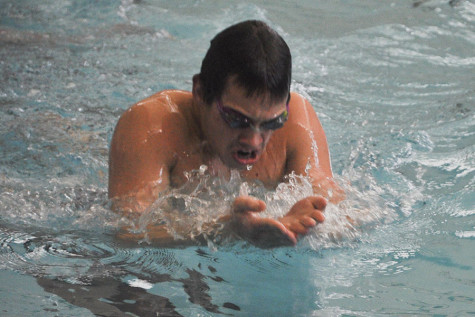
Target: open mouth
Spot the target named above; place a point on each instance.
(246, 157)
(246, 154)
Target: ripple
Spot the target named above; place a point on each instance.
(465, 234)
(393, 85)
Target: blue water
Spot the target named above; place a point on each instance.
(393, 83)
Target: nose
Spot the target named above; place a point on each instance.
(251, 138)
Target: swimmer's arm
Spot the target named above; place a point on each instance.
(306, 136)
(138, 161)
(139, 172)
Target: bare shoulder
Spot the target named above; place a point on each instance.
(153, 111)
(303, 120)
(144, 141)
(301, 111)
(306, 138)
(159, 116)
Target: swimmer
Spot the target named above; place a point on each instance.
(239, 114)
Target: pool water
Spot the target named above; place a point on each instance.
(393, 84)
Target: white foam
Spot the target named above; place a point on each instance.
(140, 283)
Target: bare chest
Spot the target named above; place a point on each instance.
(270, 169)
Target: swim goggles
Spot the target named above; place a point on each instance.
(237, 120)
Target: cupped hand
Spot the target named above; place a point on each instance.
(262, 232)
(305, 214)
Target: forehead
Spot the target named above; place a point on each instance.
(234, 94)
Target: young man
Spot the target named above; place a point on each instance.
(240, 113)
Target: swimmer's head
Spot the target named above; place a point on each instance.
(255, 56)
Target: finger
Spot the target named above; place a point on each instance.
(287, 237)
(318, 216)
(308, 222)
(298, 228)
(248, 203)
(318, 202)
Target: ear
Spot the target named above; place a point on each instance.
(197, 89)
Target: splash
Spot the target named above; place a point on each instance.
(188, 210)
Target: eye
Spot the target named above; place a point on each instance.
(276, 123)
(273, 124)
(237, 120)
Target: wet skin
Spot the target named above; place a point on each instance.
(173, 132)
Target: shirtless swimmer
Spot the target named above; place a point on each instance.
(239, 113)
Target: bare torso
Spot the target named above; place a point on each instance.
(170, 143)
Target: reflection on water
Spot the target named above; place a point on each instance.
(107, 281)
(109, 296)
(392, 84)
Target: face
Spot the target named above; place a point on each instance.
(239, 127)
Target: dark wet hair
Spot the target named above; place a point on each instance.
(255, 54)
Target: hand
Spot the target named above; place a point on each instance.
(262, 232)
(305, 214)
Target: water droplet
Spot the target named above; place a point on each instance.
(203, 169)
(308, 167)
(244, 189)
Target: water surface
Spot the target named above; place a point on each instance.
(393, 84)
